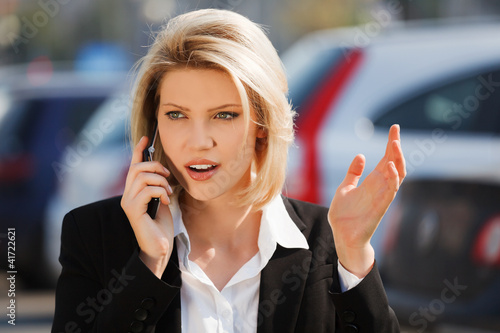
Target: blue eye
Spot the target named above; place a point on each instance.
(226, 115)
(174, 115)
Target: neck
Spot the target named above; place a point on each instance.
(219, 224)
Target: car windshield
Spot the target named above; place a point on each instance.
(307, 67)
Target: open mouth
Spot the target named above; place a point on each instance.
(202, 167)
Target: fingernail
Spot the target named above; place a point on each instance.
(170, 189)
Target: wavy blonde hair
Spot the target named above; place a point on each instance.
(226, 41)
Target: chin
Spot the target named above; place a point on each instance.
(204, 192)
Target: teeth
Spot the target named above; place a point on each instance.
(201, 166)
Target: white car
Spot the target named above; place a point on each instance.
(441, 83)
(435, 81)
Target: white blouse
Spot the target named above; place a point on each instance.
(234, 309)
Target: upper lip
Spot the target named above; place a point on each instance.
(202, 161)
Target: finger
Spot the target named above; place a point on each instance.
(392, 176)
(139, 148)
(393, 136)
(151, 167)
(145, 179)
(399, 160)
(388, 155)
(150, 192)
(354, 172)
(154, 167)
(394, 133)
(163, 211)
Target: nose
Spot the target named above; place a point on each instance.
(201, 136)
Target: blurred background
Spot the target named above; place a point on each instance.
(354, 67)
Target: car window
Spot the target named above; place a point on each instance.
(306, 69)
(466, 105)
(115, 113)
(16, 127)
(62, 118)
(80, 110)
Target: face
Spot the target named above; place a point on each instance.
(202, 131)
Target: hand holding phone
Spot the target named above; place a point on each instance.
(147, 155)
(146, 185)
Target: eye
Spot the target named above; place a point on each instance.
(174, 115)
(226, 115)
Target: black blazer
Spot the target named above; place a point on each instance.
(105, 287)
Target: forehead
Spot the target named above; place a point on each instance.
(197, 85)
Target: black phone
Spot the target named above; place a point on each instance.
(147, 155)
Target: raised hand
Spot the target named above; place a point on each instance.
(356, 211)
(147, 180)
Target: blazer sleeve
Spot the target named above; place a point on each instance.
(94, 296)
(364, 308)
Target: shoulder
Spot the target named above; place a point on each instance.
(311, 219)
(107, 208)
(305, 210)
(97, 219)
(97, 235)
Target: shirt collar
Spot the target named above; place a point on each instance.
(277, 224)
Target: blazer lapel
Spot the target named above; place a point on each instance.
(282, 285)
(171, 320)
(281, 288)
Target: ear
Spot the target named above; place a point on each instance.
(261, 133)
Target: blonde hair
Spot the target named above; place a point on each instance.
(226, 41)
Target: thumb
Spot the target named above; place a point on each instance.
(164, 212)
(354, 172)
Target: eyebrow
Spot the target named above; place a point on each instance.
(175, 106)
(224, 106)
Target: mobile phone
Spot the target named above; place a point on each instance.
(147, 155)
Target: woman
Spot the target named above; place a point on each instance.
(225, 252)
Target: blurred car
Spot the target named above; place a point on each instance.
(38, 119)
(441, 83)
(100, 174)
(442, 255)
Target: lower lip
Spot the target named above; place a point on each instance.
(201, 176)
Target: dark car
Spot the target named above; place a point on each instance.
(442, 255)
(37, 122)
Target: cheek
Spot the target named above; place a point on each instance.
(244, 151)
(167, 138)
(169, 149)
